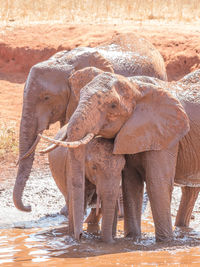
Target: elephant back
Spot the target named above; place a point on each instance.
(188, 163)
(132, 55)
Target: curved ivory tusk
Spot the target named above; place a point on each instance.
(33, 147)
(50, 148)
(73, 144)
(53, 146)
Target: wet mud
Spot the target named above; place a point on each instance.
(40, 238)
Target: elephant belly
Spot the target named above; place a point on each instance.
(188, 162)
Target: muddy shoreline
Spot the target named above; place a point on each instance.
(40, 237)
(44, 231)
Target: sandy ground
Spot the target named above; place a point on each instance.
(23, 46)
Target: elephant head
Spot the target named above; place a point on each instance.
(47, 93)
(49, 98)
(141, 116)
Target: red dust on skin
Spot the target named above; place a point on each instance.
(23, 46)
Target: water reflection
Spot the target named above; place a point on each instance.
(38, 239)
(52, 245)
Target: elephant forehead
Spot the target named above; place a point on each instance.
(49, 81)
(77, 53)
(103, 83)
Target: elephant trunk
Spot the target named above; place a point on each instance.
(22, 176)
(28, 135)
(76, 168)
(108, 214)
(108, 195)
(79, 125)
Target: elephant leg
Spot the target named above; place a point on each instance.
(70, 210)
(93, 221)
(188, 199)
(120, 204)
(71, 219)
(132, 187)
(114, 228)
(108, 191)
(64, 211)
(160, 171)
(108, 217)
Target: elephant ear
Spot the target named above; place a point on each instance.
(158, 122)
(92, 59)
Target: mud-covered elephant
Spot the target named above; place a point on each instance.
(103, 169)
(48, 97)
(156, 125)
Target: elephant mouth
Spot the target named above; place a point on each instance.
(34, 145)
(31, 149)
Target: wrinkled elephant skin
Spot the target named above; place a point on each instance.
(156, 125)
(48, 96)
(103, 169)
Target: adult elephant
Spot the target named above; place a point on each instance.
(156, 125)
(48, 97)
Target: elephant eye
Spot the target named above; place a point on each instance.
(113, 105)
(94, 167)
(46, 98)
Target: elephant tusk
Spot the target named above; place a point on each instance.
(73, 144)
(53, 146)
(50, 148)
(27, 154)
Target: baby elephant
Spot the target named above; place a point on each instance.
(103, 169)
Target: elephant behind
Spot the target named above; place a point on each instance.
(48, 97)
(155, 124)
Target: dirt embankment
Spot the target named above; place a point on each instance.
(20, 48)
(23, 46)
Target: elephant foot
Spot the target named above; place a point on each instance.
(164, 239)
(93, 228)
(108, 240)
(93, 222)
(64, 211)
(93, 218)
(133, 236)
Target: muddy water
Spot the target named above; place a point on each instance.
(39, 238)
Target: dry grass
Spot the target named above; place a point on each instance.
(98, 10)
(8, 139)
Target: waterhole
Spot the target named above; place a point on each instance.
(40, 238)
